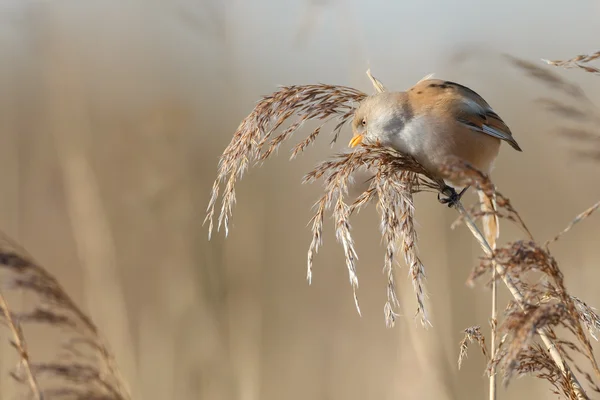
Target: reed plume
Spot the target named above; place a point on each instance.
(398, 177)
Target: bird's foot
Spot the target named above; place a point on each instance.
(452, 198)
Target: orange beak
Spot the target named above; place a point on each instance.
(356, 140)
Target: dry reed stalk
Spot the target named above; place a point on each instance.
(84, 368)
(491, 229)
(20, 345)
(493, 327)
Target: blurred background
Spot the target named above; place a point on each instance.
(114, 114)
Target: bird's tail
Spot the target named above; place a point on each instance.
(491, 225)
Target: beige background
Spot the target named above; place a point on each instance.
(114, 113)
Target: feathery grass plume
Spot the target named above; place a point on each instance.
(397, 177)
(586, 314)
(519, 354)
(519, 258)
(521, 326)
(389, 228)
(530, 256)
(542, 307)
(83, 367)
(579, 61)
(536, 361)
(250, 143)
(472, 335)
(527, 317)
(409, 242)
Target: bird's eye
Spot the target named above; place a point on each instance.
(364, 122)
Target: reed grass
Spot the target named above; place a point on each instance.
(528, 342)
(83, 366)
(539, 333)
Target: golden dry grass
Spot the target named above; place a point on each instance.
(234, 318)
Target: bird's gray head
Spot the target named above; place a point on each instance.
(380, 118)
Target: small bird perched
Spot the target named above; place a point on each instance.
(433, 121)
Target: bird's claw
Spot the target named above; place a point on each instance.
(452, 198)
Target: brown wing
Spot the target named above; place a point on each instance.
(472, 110)
(475, 112)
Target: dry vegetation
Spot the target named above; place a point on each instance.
(529, 343)
(83, 366)
(541, 332)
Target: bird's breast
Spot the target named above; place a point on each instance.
(433, 141)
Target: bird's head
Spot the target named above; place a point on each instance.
(380, 119)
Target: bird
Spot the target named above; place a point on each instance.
(433, 121)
